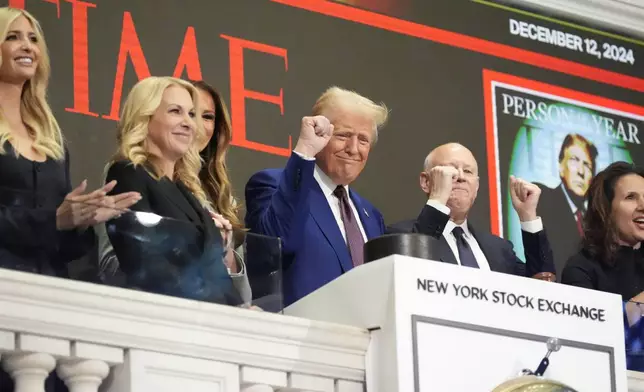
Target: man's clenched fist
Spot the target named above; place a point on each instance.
(440, 180)
(525, 197)
(315, 133)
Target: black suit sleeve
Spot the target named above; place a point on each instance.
(579, 272)
(430, 222)
(538, 253)
(130, 179)
(124, 231)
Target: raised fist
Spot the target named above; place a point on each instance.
(315, 133)
(439, 182)
(525, 197)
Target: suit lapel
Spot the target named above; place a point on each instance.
(445, 252)
(368, 222)
(196, 210)
(181, 198)
(494, 260)
(323, 216)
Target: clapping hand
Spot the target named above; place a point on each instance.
(82, 210)
(226, 229)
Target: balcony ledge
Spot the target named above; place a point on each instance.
(127, 319)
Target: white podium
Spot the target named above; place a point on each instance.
(439, 327)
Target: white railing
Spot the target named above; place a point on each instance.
(124, 341)
(128, 341)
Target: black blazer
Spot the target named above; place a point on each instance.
(30, 193)
(181, 256)
(561, 224)
(498, 251)
(625, 277)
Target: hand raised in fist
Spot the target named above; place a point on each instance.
(315, 133)
(439, 182)
(525, 197)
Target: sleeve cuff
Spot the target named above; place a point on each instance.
(533, 226)
(439, 206)
(241, 266)
(304, 156)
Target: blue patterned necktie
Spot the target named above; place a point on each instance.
(355, 241)
(465, 253)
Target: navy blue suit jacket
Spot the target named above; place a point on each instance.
(288, 203)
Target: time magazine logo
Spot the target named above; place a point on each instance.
(187, 61)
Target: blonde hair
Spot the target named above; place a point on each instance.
(141, 103)
(34, 109)
(339, 98)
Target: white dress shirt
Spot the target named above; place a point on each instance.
(327, 186)
(533, 226)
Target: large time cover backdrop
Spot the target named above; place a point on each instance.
(443, 67)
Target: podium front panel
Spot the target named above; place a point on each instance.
(462, 329)
(440, 327)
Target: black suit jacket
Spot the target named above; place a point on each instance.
(625, 277)
(180, 256)
(30, 194)
(498, 252)
(558, 218)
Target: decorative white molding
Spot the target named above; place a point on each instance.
(125, 319)
(257, 388)
(625, 16)
(83, 375)
(348, 386)
(250, 376)
(29, 370)
(110, 355)
(7, 341)
(309, 383)
(170, 338)
(171, 373)
(635, 381)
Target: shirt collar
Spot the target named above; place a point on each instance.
(451, 225)
(326, 184)
(572, 205)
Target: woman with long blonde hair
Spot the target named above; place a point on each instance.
(44, 224)
(157, 156)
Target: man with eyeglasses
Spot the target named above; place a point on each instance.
(566, 203)
(451, 181)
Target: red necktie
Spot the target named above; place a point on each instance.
(355, 241)
(580, 228)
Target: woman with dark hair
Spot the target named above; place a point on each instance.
(215, 181)
(611, 258)
(214, 173)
